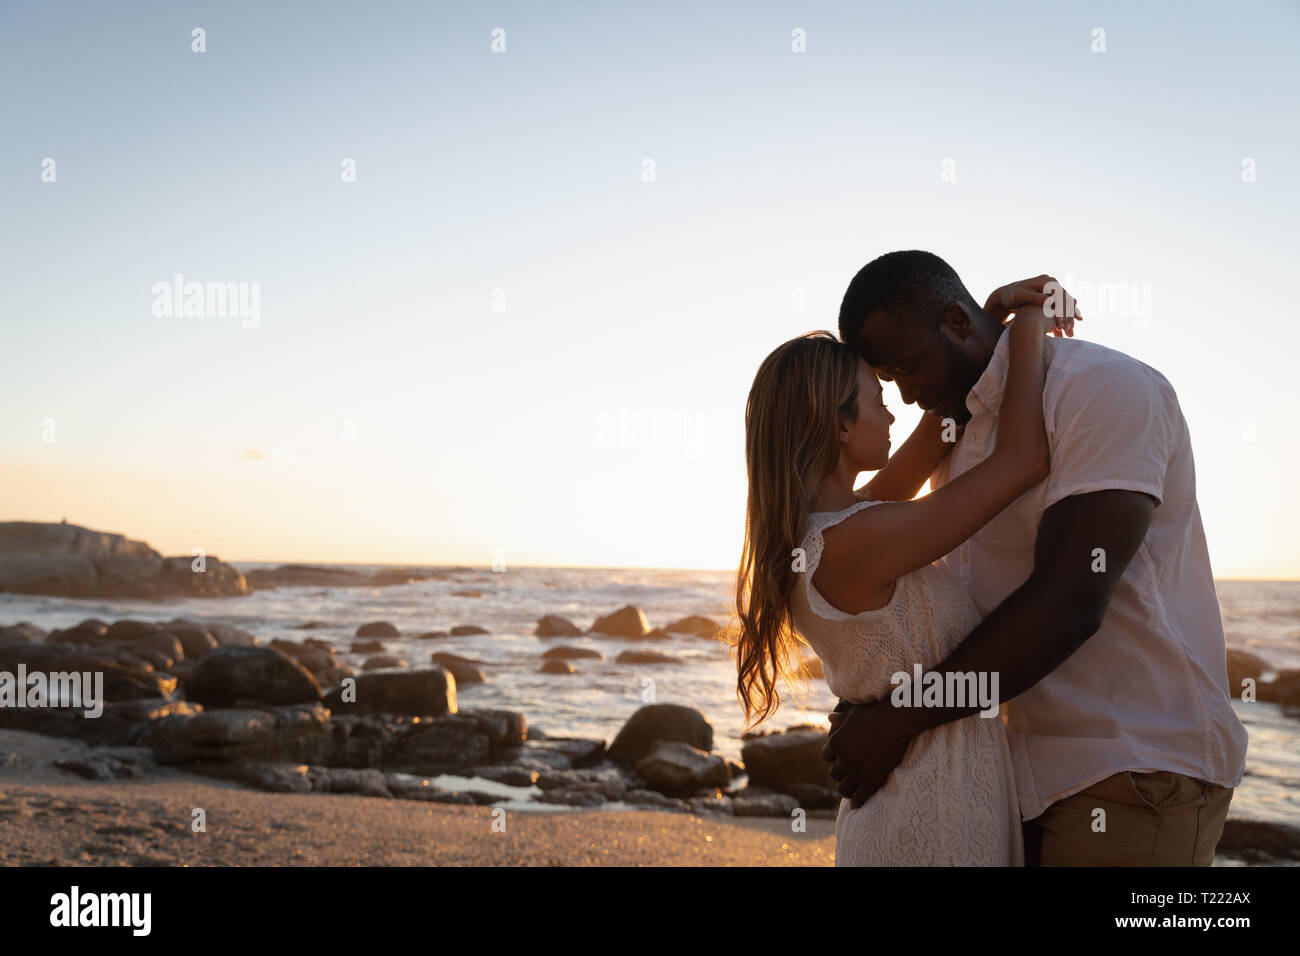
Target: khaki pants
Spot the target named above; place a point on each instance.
(1151, 819)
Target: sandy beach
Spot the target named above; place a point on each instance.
(50, 817)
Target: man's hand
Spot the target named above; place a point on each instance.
(868, 741)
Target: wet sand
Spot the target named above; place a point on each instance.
(51, 817)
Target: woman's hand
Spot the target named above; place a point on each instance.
(1042, 291)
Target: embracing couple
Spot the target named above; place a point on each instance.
(1058, 561)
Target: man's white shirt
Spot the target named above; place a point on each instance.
(1149, 691)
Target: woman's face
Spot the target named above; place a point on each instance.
(865, 443)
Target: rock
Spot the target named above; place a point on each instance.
(675, 768)
(746, 804)
(814, 797)
(382, 662)
(552, 625)
(625, 622)
(455, 742)
(1284, 689)
(107, 765)
(87, 632)
(333, 676)
(431, 635)
(256, 673)
(462, 668)
(464, 630)
(42, 539)
(126, 630)
(607, 781)
(695, 624)
(285, 777)
(648, 798)
(655, 722)
(70, 561)
(557, 667)
(420, 691)
(1259, 842)
(366, 782)
(315, 659)
(297, 734)
(782, 760)
(573, 798)
(227, 636)
(644, 657)
(378, 629)
(124, 679)
(22, 633)
(308, 575)
(572, 653)
(310, 626)
(719, 804)
(195, 640)
(368, 647)
(1241, 665)
(511, 776)
(305, 575)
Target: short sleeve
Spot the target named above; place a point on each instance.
(1110, 425)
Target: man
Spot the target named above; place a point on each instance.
(1100, 615)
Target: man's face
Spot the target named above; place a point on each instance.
(931, 367)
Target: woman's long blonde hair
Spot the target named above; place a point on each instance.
(801, 394)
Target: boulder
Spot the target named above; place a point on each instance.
(431, 635)
(627, 621)
(195, 639)
(676, 769)
(1284, 689)
(420, 691)
(782, 760)
(465, 630)
(557, 667)
(264, 674)
(756, 804)
(644, 657)
(655, 722)
(378, 629)
(124, 678)
(299, 734)
(454, 742)
(368, 647)
(572, 653)
(22, 633)
(695, 624)
(552, 625)
(382, 662)
(227, 636)
(462, 668)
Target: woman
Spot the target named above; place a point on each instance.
(857, 579)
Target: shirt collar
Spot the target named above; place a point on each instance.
(987, 393)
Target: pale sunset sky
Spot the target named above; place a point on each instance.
(530, 324)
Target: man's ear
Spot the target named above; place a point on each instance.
(957, 320)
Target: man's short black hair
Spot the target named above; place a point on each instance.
(912, 286)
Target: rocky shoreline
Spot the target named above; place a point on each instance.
(290, 717)
(66, 560)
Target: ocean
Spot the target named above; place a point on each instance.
(1260, 616)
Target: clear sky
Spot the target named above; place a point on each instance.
(503, 339)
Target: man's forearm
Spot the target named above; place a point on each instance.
(1024, 639)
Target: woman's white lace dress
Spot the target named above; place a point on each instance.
(952, 801)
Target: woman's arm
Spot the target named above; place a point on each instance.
(871, 549)
(911, 466)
